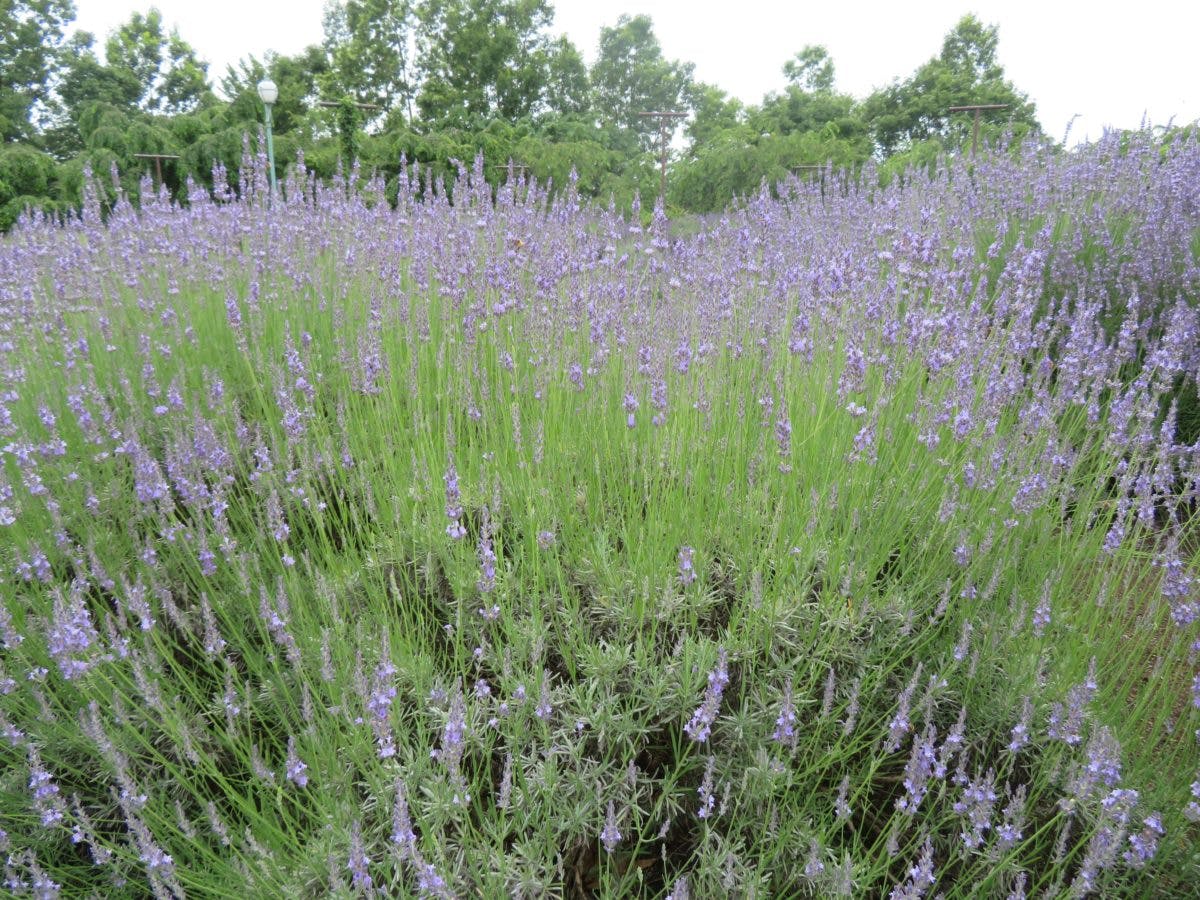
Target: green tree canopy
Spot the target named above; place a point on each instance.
(86, 80)
(369, 45)
(482, 59)
(714, 112)
(297, 77)
(31, 33)
(170, 77)
(568, 91)
(631, 76)
(811, 70)
(965, 72)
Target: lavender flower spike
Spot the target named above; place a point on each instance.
(610, 836)
(700, 725)
(687, 574)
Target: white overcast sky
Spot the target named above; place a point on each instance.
(1109, 63)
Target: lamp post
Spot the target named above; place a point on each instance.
(268, 93)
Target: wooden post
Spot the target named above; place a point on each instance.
(514, 169)
(333, 104)
(362, 107)
(158, 158)
(664, 134)
(798, 170)
(977, 109)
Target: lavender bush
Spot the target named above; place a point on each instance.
(504, 547)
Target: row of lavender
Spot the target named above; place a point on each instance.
(495, 545)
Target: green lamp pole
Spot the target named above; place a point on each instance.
(268, 93)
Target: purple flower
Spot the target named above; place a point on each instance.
(687, 574)
(233, 313)
(544, 709)
(71, 638)
(708, 798)
(46, 799)
(700, 725)
(454, 744)
(1012, 826)
(964, 642)
(1102, 768)
(487, 566)
(610, 836)
(920, 769)
(921, 877)
(1105, 844)
(402, 829)
(1144, 844)
(379, 704)
(296, 769)
(841, 806)
(631, 407)
(683, 358)
(43, 886)
(1191, 812)
(430, 883)
(952, 745)
(785, 724)
(814, 866)
(453, 499)
(1041, 615)
(976, 804)
(783, 433)
(900, 725)
(658, 399)
(358, 863)
(1020, 731)
(1066, 724)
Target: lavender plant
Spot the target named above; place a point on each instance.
(494, 545)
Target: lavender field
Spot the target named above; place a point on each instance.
(842, 545)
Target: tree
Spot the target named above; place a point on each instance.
(811, 70)
(297, 77)
(483, 59)
(809, 103)
(184, 83)
(568, 91)
(86, 80)
(965, 72)
(31, 33)
(369, 43)
(714, 112)
(632, 76)
(170, 77)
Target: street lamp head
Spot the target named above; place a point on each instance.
(267, 91)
